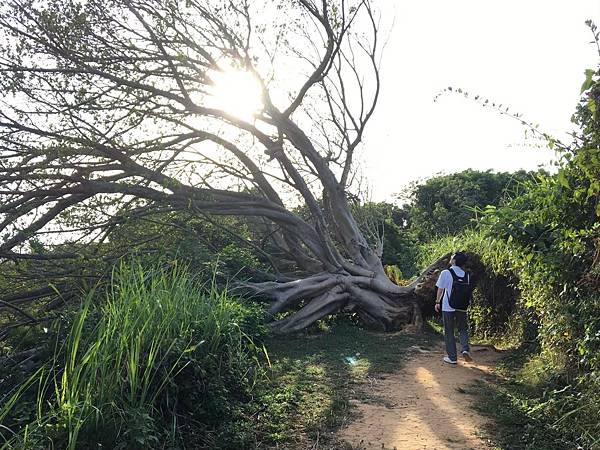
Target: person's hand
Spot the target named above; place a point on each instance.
(437, 307)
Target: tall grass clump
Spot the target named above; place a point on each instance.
(157, 360)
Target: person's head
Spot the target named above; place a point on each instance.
(458, 259)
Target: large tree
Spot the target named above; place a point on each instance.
(109, 108)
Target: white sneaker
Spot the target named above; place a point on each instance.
(467, 357)
(448, 360)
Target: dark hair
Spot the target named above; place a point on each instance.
(459, 258)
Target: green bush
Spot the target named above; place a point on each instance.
(447, 204)
(159, 358)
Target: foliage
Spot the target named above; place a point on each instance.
(386, 225)
(555, 227)
(394, 273)
(203, 243)
(447, 204)
(160, 353)
(520, 409)
(167, 363)
(495, 310)
(547, 240)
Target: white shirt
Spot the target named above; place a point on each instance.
(445, 282)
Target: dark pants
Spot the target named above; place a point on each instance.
(458, 318)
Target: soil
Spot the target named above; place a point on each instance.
(426, 405)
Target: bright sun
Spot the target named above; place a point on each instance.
(236, 91)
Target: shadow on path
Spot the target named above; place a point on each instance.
(426, 405)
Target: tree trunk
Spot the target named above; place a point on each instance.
(380, 304)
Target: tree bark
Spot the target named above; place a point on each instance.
(380, 304)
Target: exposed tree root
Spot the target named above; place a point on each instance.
(380, 304)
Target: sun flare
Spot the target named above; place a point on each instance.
(237, 92)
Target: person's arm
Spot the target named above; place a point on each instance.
(441, 284)
(438, 299)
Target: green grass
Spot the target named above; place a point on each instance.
(529, 406)
(314, 377)
(115, 379)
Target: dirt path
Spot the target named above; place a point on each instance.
(427, 405)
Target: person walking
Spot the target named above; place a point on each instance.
(454, 307)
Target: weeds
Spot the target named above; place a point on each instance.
(114, 382)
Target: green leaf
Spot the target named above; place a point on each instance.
(592, 106)
(589, 73)
(562, 179)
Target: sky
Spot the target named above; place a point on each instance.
(529, 55)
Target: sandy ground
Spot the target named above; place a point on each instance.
(427, 405)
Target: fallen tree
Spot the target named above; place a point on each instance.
(110, 110)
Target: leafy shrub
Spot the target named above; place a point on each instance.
(159, 353)
(447, 204)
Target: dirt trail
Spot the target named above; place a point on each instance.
(426, 405)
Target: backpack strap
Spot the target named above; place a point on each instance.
(455, 277)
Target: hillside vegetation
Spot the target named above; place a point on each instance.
(544, 243)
